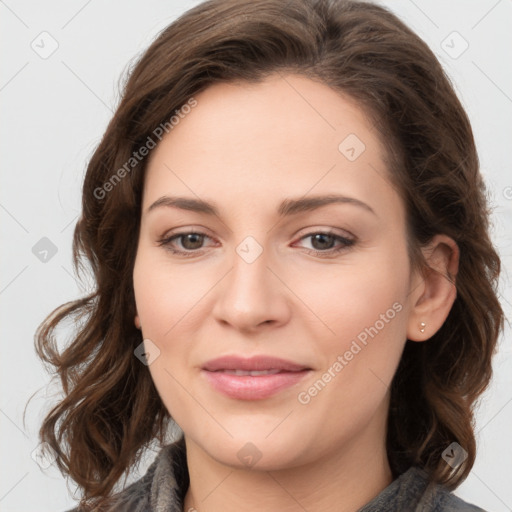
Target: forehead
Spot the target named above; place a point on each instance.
(281, 110)
(285, 136)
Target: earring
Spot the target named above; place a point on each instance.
(422, 326)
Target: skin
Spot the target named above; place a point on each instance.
(246, 148)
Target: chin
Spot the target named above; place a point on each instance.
(257, 448)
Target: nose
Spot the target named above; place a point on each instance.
(252, 296)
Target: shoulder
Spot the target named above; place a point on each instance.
(412, 491)
(442, 500)
(135, 497)
(437, 498)
(161, 488)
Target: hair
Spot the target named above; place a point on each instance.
(110, 409)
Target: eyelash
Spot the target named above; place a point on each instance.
(347, 242)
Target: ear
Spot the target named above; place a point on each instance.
(433, 293)
(137, 321)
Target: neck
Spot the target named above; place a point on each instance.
(341, 481)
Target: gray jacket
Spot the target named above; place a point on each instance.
(165, 483)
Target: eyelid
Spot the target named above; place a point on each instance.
(169, 236)
(199, 230)
(313, 230)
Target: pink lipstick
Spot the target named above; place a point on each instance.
(253, 378)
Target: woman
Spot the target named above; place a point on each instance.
(289, 237)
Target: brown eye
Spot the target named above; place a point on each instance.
(322, 241)
(185, 244)
(191, 241)
(325, 244)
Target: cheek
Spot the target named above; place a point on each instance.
(171, 384)
(165, 299)
(164, 296)
(162, 302)
(360, 360)
(362, 308)
(350, 298)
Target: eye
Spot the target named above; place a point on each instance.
(189, 241)
(324, 243)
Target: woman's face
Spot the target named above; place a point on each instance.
(273, 271)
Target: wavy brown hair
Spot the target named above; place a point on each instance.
(110, 410)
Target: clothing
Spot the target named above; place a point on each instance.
(163, 488)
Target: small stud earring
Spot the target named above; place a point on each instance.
(422, 326)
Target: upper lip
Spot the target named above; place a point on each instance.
(255, 363)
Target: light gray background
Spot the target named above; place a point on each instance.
(54, 111)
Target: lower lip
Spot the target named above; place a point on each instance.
(248, 387)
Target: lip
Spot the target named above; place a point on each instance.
(255, 363)
(220, 375)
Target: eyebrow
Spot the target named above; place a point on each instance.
(287, 207)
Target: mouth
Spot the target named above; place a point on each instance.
(252, 373)
(253, 364)
(255, 378)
